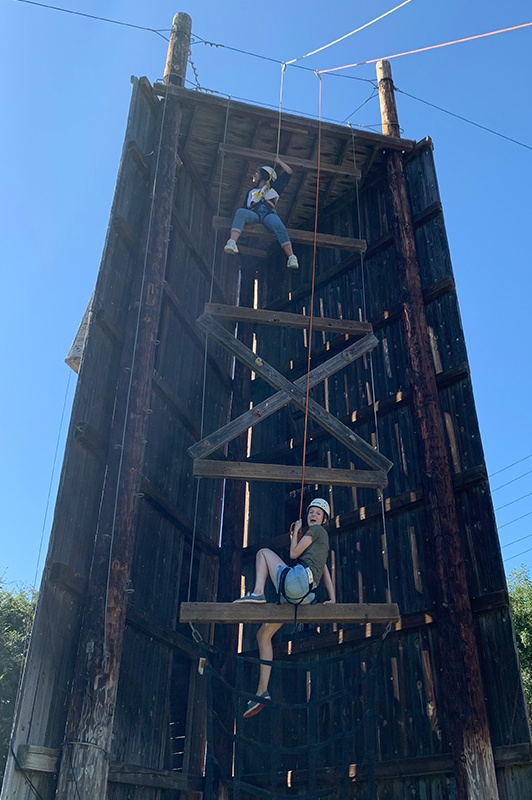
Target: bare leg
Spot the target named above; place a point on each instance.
(266, 563)
(286, 247)
(264, 639)
(235, 236)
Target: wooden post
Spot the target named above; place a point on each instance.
(178, 49)
(461, 683)
(389, 118)
(84, 763)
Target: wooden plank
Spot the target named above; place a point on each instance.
(187, 237)
(281, 473)
(289, 122)
(38, 759)
(277, 401)
(312, 166)
(272, 612)
(46, 759)
(284, 319)
(158, 499)
(132, 775)
(299, 236)
(331, 424)
(161, 633)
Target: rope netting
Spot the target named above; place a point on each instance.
(318, 728)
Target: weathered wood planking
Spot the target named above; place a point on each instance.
(271, 612)
(370, 563)
(280, 473)
(280, 319)
(351, 440)
(268, 407)
(298, 236)
(303, 163)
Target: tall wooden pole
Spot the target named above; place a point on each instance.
(84, 763)
(461, 683)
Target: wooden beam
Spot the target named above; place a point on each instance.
(319, 414)
(299, 236)
(272, 404)
(34, 758)
(177, 517)
(291, 122)
(287, 320)
(133, 775)
(303, 163)
(281, 473)
(182, 229)
(37, 759)
(272, 612)
(460, 680)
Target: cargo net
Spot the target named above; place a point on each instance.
(315, 738)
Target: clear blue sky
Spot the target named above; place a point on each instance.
(65, 95)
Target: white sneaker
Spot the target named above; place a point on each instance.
(292, 262)
(231, 247)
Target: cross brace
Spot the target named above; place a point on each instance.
(228, 432)
(297, 396)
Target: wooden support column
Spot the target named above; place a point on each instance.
(84, 765)
(461, 691)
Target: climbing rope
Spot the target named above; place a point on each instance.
(312, 295)
(205, 359)
(371, 371)
(121, 445)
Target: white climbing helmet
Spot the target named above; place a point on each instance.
(271, 172)
(319, 502)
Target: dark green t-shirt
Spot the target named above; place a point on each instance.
(316, 553)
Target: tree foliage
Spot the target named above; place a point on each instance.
(520, 590)
(17, 608)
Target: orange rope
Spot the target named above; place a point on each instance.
(311, 314)
(424, 49)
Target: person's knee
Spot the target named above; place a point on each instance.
(264, 551)
(264, 635)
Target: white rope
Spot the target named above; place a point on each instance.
(347, 35)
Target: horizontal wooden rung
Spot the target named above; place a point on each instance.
(282, 473)
(283, 319)
(272, 612)
(339, 171)
(299, 237)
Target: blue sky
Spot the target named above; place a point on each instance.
(65, 95)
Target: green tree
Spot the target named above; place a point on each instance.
(520, 590)
(17, 608)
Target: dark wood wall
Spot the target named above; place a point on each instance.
(159, 720)
(370, 557)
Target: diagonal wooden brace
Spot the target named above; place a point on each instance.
(319, 414)
(261, 411)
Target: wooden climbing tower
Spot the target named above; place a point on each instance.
(184, 456)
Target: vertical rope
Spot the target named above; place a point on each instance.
(205, 354)
(131, 373)
(312, 294)
(380, 495)
(209, 755)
